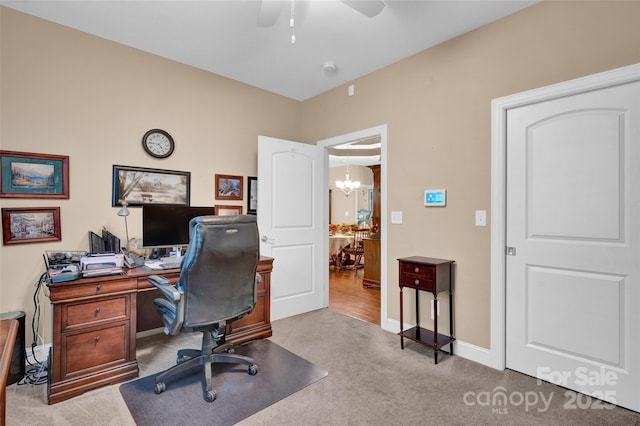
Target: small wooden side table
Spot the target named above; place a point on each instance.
(434, 276)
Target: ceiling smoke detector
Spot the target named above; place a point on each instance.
(329, 67)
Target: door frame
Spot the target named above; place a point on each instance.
(372, 132)
(496, 356)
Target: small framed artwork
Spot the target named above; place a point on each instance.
(228, 187)
(228, 210)
(30, 225)
(28, 175)
(252, 197)
(141, 185)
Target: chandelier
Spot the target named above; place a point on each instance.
(347, 185)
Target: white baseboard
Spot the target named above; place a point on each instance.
(460, 348)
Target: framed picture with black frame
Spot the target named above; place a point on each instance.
(141, 185)
(252, 195)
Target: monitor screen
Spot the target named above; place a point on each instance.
(166, 225)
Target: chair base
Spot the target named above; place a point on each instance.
(205, 357)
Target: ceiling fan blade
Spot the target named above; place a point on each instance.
(368, 8)
(269, 12)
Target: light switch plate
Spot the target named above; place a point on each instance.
(481, 218)
(396, 218)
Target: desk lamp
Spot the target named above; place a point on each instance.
(124, 212)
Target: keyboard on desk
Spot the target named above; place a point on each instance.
(170, 265)
(102, 271)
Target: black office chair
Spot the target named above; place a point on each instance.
(217, 285)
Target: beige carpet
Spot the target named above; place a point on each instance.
(371, 381)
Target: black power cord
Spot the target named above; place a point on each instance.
(37, 373)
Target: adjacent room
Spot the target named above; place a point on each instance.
(444, 194)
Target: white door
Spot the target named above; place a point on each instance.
(573, 219)
(290, 217)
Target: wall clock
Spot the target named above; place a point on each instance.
(158, 143)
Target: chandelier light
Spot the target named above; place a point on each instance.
(347, 185)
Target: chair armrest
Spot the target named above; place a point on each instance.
(167, 289)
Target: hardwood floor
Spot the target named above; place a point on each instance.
(347, 296)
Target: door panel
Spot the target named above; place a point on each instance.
(573, 215)
(290, 214)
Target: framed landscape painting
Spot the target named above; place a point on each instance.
(228, 187)
(140, 185)
(29, 175)
(228, 210)
(252, 197)
(30, 225)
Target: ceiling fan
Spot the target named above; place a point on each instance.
(270, 9)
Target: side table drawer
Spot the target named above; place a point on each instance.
(424, 271)
(94, 349)
(417, 276)
(94, 312)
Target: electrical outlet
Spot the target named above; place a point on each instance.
(481, 218)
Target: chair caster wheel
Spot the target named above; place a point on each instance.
(160, 387)
(253, 370)
(180, 359)
(210, 396)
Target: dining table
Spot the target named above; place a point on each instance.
(337, 242)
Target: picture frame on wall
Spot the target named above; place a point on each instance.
(142, 185)
(228, 210)
(228, 187)
(30, 175)
(252, 195)
(30, 225)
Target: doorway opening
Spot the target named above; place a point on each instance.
(345, 291)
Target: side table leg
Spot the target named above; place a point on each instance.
(401, 322)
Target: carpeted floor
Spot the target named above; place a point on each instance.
(371, 381)
(239, 395)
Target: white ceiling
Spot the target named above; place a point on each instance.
(222, 36)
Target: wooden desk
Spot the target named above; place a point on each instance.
(8, 334)
(95, 321)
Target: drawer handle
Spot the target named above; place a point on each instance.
(417, 282)
(417, 270)
(98, 287)
(97, 311)
(97, 339)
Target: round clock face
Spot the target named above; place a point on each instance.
(158, 143)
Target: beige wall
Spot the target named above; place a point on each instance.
(342, 207)
(65, 92)
(69, 93)
(437, 105)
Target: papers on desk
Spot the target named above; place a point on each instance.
(153, 264)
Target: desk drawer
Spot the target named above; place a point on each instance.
(95, 349)
(94, 312)
(94, 288)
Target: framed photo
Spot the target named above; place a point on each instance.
(228, 187)
(140, 185)
(30, 225)
(228, 210)
(28, 175)
(252, 197)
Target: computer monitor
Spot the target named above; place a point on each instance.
(165, 225)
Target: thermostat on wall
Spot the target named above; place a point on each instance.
(435, 197)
